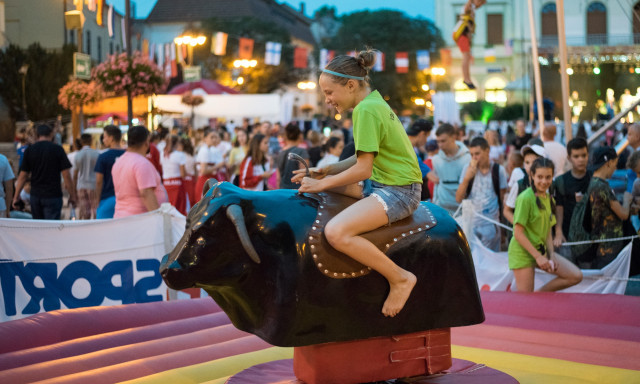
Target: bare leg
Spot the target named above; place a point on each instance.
(342, 233)
(568, 275)
(524, 279)
(466, 67)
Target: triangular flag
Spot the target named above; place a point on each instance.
(445, 57)
(273, 53)
(300, 57)
(219, 44)
(379, 64)
(423, 59)
(490, 55)
(99, 15)
(402, 62)
(245, 48)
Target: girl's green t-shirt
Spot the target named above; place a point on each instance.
(536, 222)
(377, 129)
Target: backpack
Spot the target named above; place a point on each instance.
(495, 179)
(580, 227)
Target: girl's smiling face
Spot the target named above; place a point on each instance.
(542, 179)
(339, 96)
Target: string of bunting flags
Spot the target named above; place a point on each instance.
(168, 55)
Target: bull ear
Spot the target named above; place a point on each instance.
(234, 213)
(207, 186)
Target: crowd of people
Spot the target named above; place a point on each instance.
(499, 174)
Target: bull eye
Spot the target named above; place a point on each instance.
(200, 241)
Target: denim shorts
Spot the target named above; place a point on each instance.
(399, 201)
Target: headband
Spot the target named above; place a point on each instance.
(342, 75)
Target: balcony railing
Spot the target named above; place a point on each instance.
(593, 39)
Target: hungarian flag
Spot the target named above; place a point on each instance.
(219, 44)
(325, 57)
(300, 58)
(245, 48)
(273, 53)
(402, 62)
(379, 64)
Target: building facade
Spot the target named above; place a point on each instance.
(43, 21)
(601, 33)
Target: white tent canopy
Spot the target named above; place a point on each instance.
(271, 107)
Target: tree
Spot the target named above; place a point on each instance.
(262, 78)
(390, 32)
(48, 72)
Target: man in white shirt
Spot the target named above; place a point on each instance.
(555, 151)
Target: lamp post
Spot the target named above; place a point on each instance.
(190, 41)
(23, 71)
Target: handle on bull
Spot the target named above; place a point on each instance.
(301, 160)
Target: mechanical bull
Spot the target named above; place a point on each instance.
(263, 258)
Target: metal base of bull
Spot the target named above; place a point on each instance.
(374, 359)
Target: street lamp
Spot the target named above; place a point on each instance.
(244, 63)
(304, 85)
(190, 41)
(23, 71)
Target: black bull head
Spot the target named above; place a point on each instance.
(249, 251)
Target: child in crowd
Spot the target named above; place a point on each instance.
(256, 169)
(333, 149)
(174, 161)
(519, 179)
(385, 156)
(532, 244)
(607, 214)
(570, 188)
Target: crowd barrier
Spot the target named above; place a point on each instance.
(493, 273)
(49, 265)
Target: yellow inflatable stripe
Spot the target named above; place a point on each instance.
(216, 370)
(535, 370)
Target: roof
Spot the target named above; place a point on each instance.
(297, 24)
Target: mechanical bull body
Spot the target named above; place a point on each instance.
(251, 252)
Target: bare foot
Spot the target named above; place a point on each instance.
(398, 294)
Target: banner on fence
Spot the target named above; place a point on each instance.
(50, 265)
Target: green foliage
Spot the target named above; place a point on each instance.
(262, 78)
(390, 32)
(48, 72)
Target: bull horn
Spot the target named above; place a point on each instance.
(207, 185)
(234, 213)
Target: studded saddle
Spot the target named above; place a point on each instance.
(337, 265)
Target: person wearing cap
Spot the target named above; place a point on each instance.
(418, 134)
(519, 180)
(607, 214)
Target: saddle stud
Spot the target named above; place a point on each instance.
(319, 265)
(314, 228)
(315, 257)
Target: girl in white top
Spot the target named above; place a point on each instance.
(173, 172)
(190, 173)
(333, 150)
